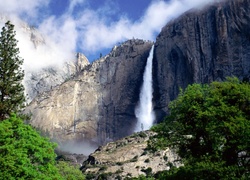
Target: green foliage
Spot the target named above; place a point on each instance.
(142, 134)
(11, 74)
(24, 154)
(135, 158)
(118, 177)
(104, 176)
(209, 125)
(90, 176)
(119, 163)
(141, 177)
(147, 171)
(119, 171)
(69, 172)
(144, 152)
(103, 168)
(204, 169)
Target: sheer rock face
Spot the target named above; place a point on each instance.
(201, 46)
(36, 82)
(97, 104)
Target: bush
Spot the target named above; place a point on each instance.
(142, 134)
(147, 171)
(119, 163)
(103, 168)
(69, 171)
(134, 159)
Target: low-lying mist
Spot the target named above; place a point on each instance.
(78, 147)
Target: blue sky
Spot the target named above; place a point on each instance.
(89, 26)
(113, 11)
(133, 9)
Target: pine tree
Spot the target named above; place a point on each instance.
(11, 74)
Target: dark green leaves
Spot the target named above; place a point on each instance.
(210, 124)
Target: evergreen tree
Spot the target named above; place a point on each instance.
(11, 74)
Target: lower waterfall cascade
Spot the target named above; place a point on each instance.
(144, 110)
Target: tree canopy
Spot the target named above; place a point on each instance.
(24, 154)
(11, 74)
(209, 126)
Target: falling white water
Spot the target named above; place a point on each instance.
(144, 110)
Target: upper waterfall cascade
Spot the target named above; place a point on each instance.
(144, 110)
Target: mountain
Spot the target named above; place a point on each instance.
(46, 78)
(98, 104)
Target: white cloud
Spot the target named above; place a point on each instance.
(57, 42)
(52, 53)
(96, 33)
(59, 34)
(91, 29)
(22, 7)
(61, 31)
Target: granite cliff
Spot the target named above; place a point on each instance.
(98, 103)
(201, 46)
(45, 79)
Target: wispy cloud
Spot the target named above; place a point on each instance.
(24, 8)
(96, 33)
(88, 30)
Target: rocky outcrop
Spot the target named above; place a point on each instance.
(44, 79)
(201, 46)
(129, 157)
(98, 103)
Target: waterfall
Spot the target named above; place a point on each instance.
(144, 110)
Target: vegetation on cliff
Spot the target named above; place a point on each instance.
(209, 125)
